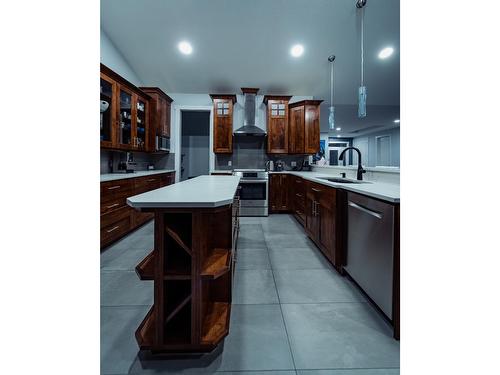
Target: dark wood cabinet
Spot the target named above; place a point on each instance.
(223, 123)
(279, 192)
(160, 109)
(304, 127)
(125, 123)
(277, 123)
(323, 221)
(296, 130)
(297, 199)
(117, 218)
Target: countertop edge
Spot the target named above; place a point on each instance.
(124, 176)
(347, 187)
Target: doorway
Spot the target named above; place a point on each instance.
(195, 144)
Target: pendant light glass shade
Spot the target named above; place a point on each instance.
(362, 101)
(331, 118)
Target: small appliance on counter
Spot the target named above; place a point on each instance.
(128, 165)
(280, 166)
(306, 166)
(270, 166)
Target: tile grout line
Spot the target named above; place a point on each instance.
(281, 310)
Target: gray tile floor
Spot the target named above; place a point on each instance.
(292, 312)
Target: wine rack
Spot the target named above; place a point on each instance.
(192, 266)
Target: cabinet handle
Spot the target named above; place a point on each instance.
(316, 190)
(298, 195)
(314, 208)
(113, 229)
(317, 208)
(378, 215)
(152, 179)
(113, 205)
(114, 187)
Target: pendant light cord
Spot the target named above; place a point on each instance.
(331, 86)
(362, 46)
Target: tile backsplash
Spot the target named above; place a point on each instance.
(110, 159)
(250, 152)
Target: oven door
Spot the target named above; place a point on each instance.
(253, 193)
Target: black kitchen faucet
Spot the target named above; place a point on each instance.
(360, 167)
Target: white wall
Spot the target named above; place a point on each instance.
(371, 159)
(113, 59)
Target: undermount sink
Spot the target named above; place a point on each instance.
(343, 180)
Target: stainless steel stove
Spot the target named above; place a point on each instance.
(253, 191)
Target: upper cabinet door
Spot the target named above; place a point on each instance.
(223, 124)
(142, 129)
(311, 126)
(277, 126)
(107, 115)
(126, 121)
(296, 131)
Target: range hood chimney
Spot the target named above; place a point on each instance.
(249, 127)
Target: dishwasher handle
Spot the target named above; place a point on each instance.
(376, 214)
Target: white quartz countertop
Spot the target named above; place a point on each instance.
(381, 190)
(121, 176)
(198, 192)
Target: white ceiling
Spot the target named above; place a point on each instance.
(246, 44)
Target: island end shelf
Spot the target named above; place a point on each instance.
(192, 264)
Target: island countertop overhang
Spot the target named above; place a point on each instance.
(199, 192)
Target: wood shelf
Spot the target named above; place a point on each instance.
(216, 323)
(146, 269)
(217, 264)
(145, 334)
(178, 239)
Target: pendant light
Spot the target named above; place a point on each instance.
(331, 117)
(360, 4)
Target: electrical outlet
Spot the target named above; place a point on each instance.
(229, 163)
(294, 163)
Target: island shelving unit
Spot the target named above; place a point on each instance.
(192, 264)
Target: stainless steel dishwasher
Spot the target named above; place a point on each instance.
(370, 248)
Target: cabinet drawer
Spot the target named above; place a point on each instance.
(115, 230)
(113, 205)
(112, 190)
(147, 183)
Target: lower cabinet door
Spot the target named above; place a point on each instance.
(326, 235)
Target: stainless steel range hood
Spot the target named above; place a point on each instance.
(249, 127)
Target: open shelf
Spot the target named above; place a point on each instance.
(177, 263)
(177, 294)
(179, 225)
(216, 323)
(146, 269)
(177, 330)
(145, 334)
(216, 264)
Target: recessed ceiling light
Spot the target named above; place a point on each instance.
(338, 135)
(185, 48)
(297, 50)
(385, 53)
(396, 121)
(338, 129)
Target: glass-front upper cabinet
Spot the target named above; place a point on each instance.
(125, 128)
(141, 119)
(107, 113)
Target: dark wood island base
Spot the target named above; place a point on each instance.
(192, 266)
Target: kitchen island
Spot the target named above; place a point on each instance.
(192, 264)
